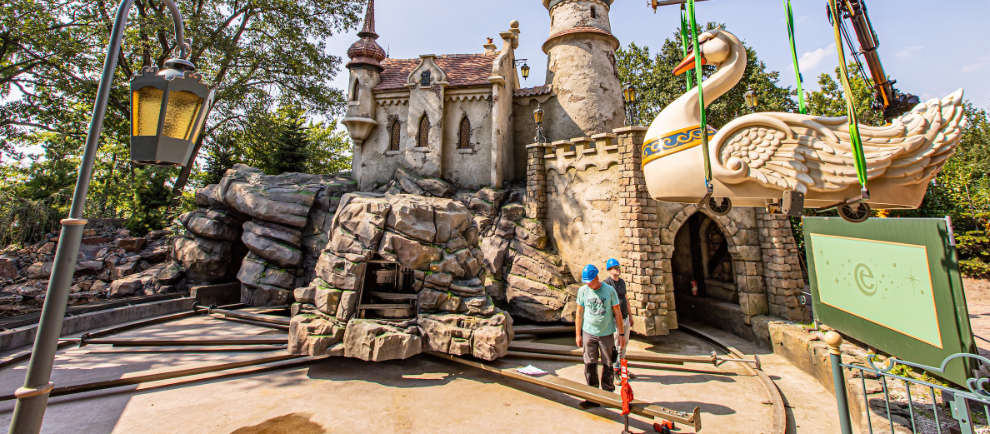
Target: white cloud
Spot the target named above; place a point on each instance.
(976, 65)
(810, 60)
(909, 51)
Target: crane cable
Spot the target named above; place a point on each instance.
(859, 158)
(684, 45)
(797, 70)
(701, 96)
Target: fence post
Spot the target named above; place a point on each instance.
(834, 340)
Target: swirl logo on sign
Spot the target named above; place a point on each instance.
(863, 276)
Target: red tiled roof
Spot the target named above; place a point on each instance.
(579, 30)
(533, 91)
(462, 70)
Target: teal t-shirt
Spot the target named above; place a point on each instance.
(598, 317)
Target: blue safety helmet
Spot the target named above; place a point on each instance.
(611, 263)
(589, 274)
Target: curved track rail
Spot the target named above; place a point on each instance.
(779, 420)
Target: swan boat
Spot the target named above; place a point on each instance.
(758, 159)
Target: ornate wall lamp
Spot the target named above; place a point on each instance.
(629, 96)
(541, 136)
(525, 68)
(752, 99)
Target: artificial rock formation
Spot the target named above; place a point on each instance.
(265, 231)
(432, 238)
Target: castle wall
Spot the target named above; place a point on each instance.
(468, 168)
(373, 163)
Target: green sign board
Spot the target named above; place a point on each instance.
(892, 284)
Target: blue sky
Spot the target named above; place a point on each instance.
(930, 47)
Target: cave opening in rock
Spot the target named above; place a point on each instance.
(387, 291)
(704, 284)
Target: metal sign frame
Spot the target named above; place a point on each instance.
(891, 323)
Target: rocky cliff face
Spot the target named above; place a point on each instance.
(111, 264)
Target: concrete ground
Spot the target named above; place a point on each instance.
(421, 394)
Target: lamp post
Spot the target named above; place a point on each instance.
(629, 96)
(541, 136)
(752, 99)
(168, 110)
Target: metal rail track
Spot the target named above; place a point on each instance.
(779, 418)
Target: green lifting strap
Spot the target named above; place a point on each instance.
(797, 70)
(684, 44)
(701, 95)
(857, 143)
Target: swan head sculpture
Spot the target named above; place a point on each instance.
(716, 47)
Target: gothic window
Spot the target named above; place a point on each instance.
(594, 12)
(423, 137)
(464, 134)
(394, 133)
(424, 78)
(355, 90)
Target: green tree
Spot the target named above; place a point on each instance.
(221, 153)
(657, 87)
(282, 141)
(254, 53)
(829, 99)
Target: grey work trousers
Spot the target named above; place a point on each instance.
(595, 347)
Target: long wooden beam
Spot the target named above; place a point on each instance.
(184, 342)
(138, 378)
(271, 319)
(586, 392)
(540, 330)
(579, 359)
(638, 356)
(250, 322)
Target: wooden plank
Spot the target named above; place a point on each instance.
(271, 319)
(383, 306)
(137, 378)
(586, 392)
(179, 342)
(392, 295)
(542, 330)
(639, 356)
(643, 365)
(247, 321)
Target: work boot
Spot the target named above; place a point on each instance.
(618, 376)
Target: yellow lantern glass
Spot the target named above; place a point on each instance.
(525, 71)
(146, 106)
(538, 115)
(180, 115)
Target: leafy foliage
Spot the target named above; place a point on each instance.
(653, 77)
(256, 54)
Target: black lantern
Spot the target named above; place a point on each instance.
(541, 136)
(752, 100)
(524, 69)
(168, 110)
(629, 96)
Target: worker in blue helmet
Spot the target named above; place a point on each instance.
(614, 280)
(595, 325)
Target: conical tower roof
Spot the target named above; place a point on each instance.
(367, 52)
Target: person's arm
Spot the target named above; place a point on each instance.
(629, 310)
(578, 318)
(618, 324)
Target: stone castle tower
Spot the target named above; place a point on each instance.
(581, 68)
(365, 73)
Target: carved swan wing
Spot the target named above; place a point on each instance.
(787, 151)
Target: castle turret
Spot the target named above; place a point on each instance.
(365, 73)
(581, 67)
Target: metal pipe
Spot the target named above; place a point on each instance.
(32, 398)
(250, 322)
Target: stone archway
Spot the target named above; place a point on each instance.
(723, 255)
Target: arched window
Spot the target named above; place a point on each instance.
(394, 134)
(425, 78)
(423, 137)
(464, 134)
(594, 12)
(355, 90)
